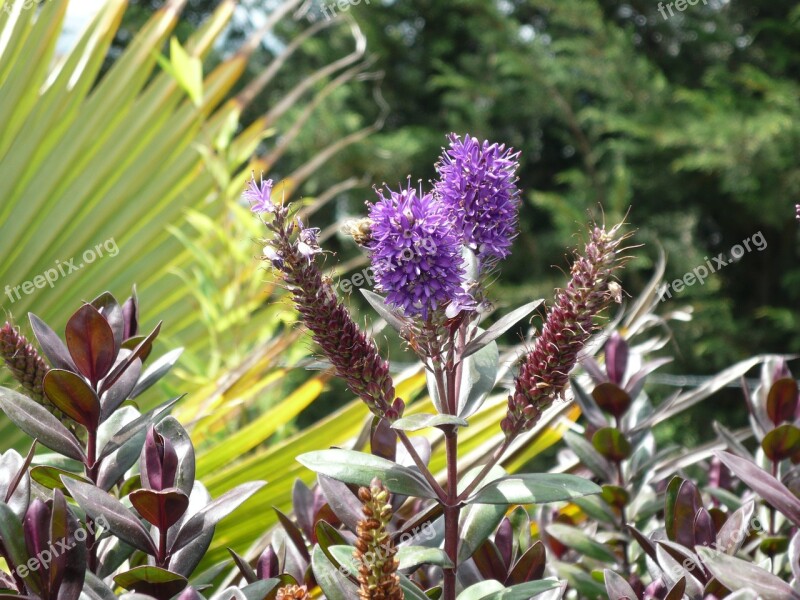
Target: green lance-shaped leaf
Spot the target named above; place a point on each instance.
(534, 488)
(359, 468)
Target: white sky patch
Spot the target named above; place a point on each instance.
(79, 15)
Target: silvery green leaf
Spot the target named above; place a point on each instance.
(479, 374)
(500, 327)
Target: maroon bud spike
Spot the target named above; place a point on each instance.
(268, 566)
(616, 358)
(570, 323)
(353, 354)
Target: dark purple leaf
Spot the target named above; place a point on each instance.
(616, 353)
(121, 521)
(704, 529)
(140, 424)
(617, 587)
(294, 534)
(51, 345)
(171, 430)
(303, 503)
(504, 540)
(71, 394)
(383, 440)
(612, 444)
(677, 590)
(36, 528)
(735, 530)
(344, 504)
(268, 565)
(612, 399)
(130, 316)
(530, 565)
(160, 508)
(682, 503)
(75, 565)
(190, 594)
(141, 351)
(489, 561)
(37, 422)
(121, 390)
(111, 311)
(213, 513)
(588, 406)
(161, 462)
(644, 542)
(782, 401)
(90, 342)
(782, 442)
(765, 485)
(244, 567)
(153, 581)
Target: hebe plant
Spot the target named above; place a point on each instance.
(434, 255)
(123, 506)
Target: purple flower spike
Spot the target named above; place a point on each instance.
(416, 254)
(478, 182)
(258, 195)
(161, 461)
(616, 358)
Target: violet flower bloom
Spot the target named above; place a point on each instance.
(415, 252)
(258, 195)
(478, 182)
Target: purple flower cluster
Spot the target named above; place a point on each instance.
(416, 252)
(258, 195)
(478, 182)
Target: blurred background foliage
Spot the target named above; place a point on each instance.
(692, 121)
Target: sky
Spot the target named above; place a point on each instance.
(79, 14)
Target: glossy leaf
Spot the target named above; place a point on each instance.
(72, 395)
(330, 580)
(617, 587)
(612, 399)
(612, 444)
(90, 342)
(782, 442)
(160, 508)
(577, 539)
(499, 327)
(765, 485)
(37, 422)
(735, 574)
(492, 590)
(479, 374)
(53, 348)
(153, 581)
(534, 488)
(121, 521)
(423, 420)
(782, 401)
(530, 566)
(476, 523)
(360, 469)
(156, 371)
(213, 513)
